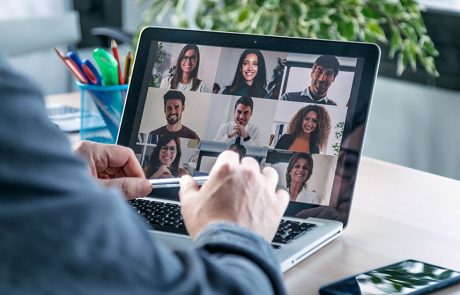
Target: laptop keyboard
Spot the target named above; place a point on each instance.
(160, 215)
(166, 217)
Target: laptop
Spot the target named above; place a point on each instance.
(297, 105)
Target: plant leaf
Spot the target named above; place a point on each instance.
(377, 31)
(348, 29)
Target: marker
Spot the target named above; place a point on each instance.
(72, 67)
(115, 54)
(108, 66)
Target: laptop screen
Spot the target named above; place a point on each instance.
(288, 110)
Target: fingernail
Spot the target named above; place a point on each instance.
(144, 187)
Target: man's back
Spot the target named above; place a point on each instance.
(62, 233)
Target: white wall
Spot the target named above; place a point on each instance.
(42, 66)
(415, 126)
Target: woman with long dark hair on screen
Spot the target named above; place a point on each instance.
(250, 76)
(164, 160)
(308, 131)
(185, 75)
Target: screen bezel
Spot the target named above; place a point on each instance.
(143, 63)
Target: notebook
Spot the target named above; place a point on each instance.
(297, 105)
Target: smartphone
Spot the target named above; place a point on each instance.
(404, 277)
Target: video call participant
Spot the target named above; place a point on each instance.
(323, 74)
(307, 132)
(185, 76)
(164, 160)
(240, 130)
(250, 76)
(174, 106)
(298, 172)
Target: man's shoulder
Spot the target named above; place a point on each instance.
(294, 96)
(158, 130)
(187, 133)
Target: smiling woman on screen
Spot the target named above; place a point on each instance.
(185, 76)
(250, 76)
(308, 131)
(164, 160)
(298, 172)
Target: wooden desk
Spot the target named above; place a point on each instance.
(397, 213)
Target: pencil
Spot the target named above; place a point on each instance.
(115, 54)
(71, 66)
(128, 63)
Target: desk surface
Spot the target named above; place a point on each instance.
(397, 213)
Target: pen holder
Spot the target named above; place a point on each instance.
(101, 109)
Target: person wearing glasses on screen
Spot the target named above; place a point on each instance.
(250, 76)
(185, 74)
(323, 73)
(164, 160)
(308, 131)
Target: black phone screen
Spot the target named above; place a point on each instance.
(405, 277)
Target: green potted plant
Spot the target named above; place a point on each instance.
(395, 23)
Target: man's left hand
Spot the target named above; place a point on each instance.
(115, 165)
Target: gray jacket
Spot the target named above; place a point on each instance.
(61, 233)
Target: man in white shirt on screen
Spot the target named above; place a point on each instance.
(240, 130)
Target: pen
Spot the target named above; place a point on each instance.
(72, 67)
(91, 72)
(127, 69)
(108, 66)
(72, 55)
(115, 54)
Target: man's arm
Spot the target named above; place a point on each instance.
(222, 134)
(255, 138)
(63, 231)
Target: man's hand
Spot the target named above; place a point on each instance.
(233, 133)
(235, 192)
(116, 166)
(242, 131)
(162, 172)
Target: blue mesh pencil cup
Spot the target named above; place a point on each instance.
(101, 109)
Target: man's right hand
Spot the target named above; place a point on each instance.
(235, 192)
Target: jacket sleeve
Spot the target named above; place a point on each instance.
(284, 142)
(61, 231)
